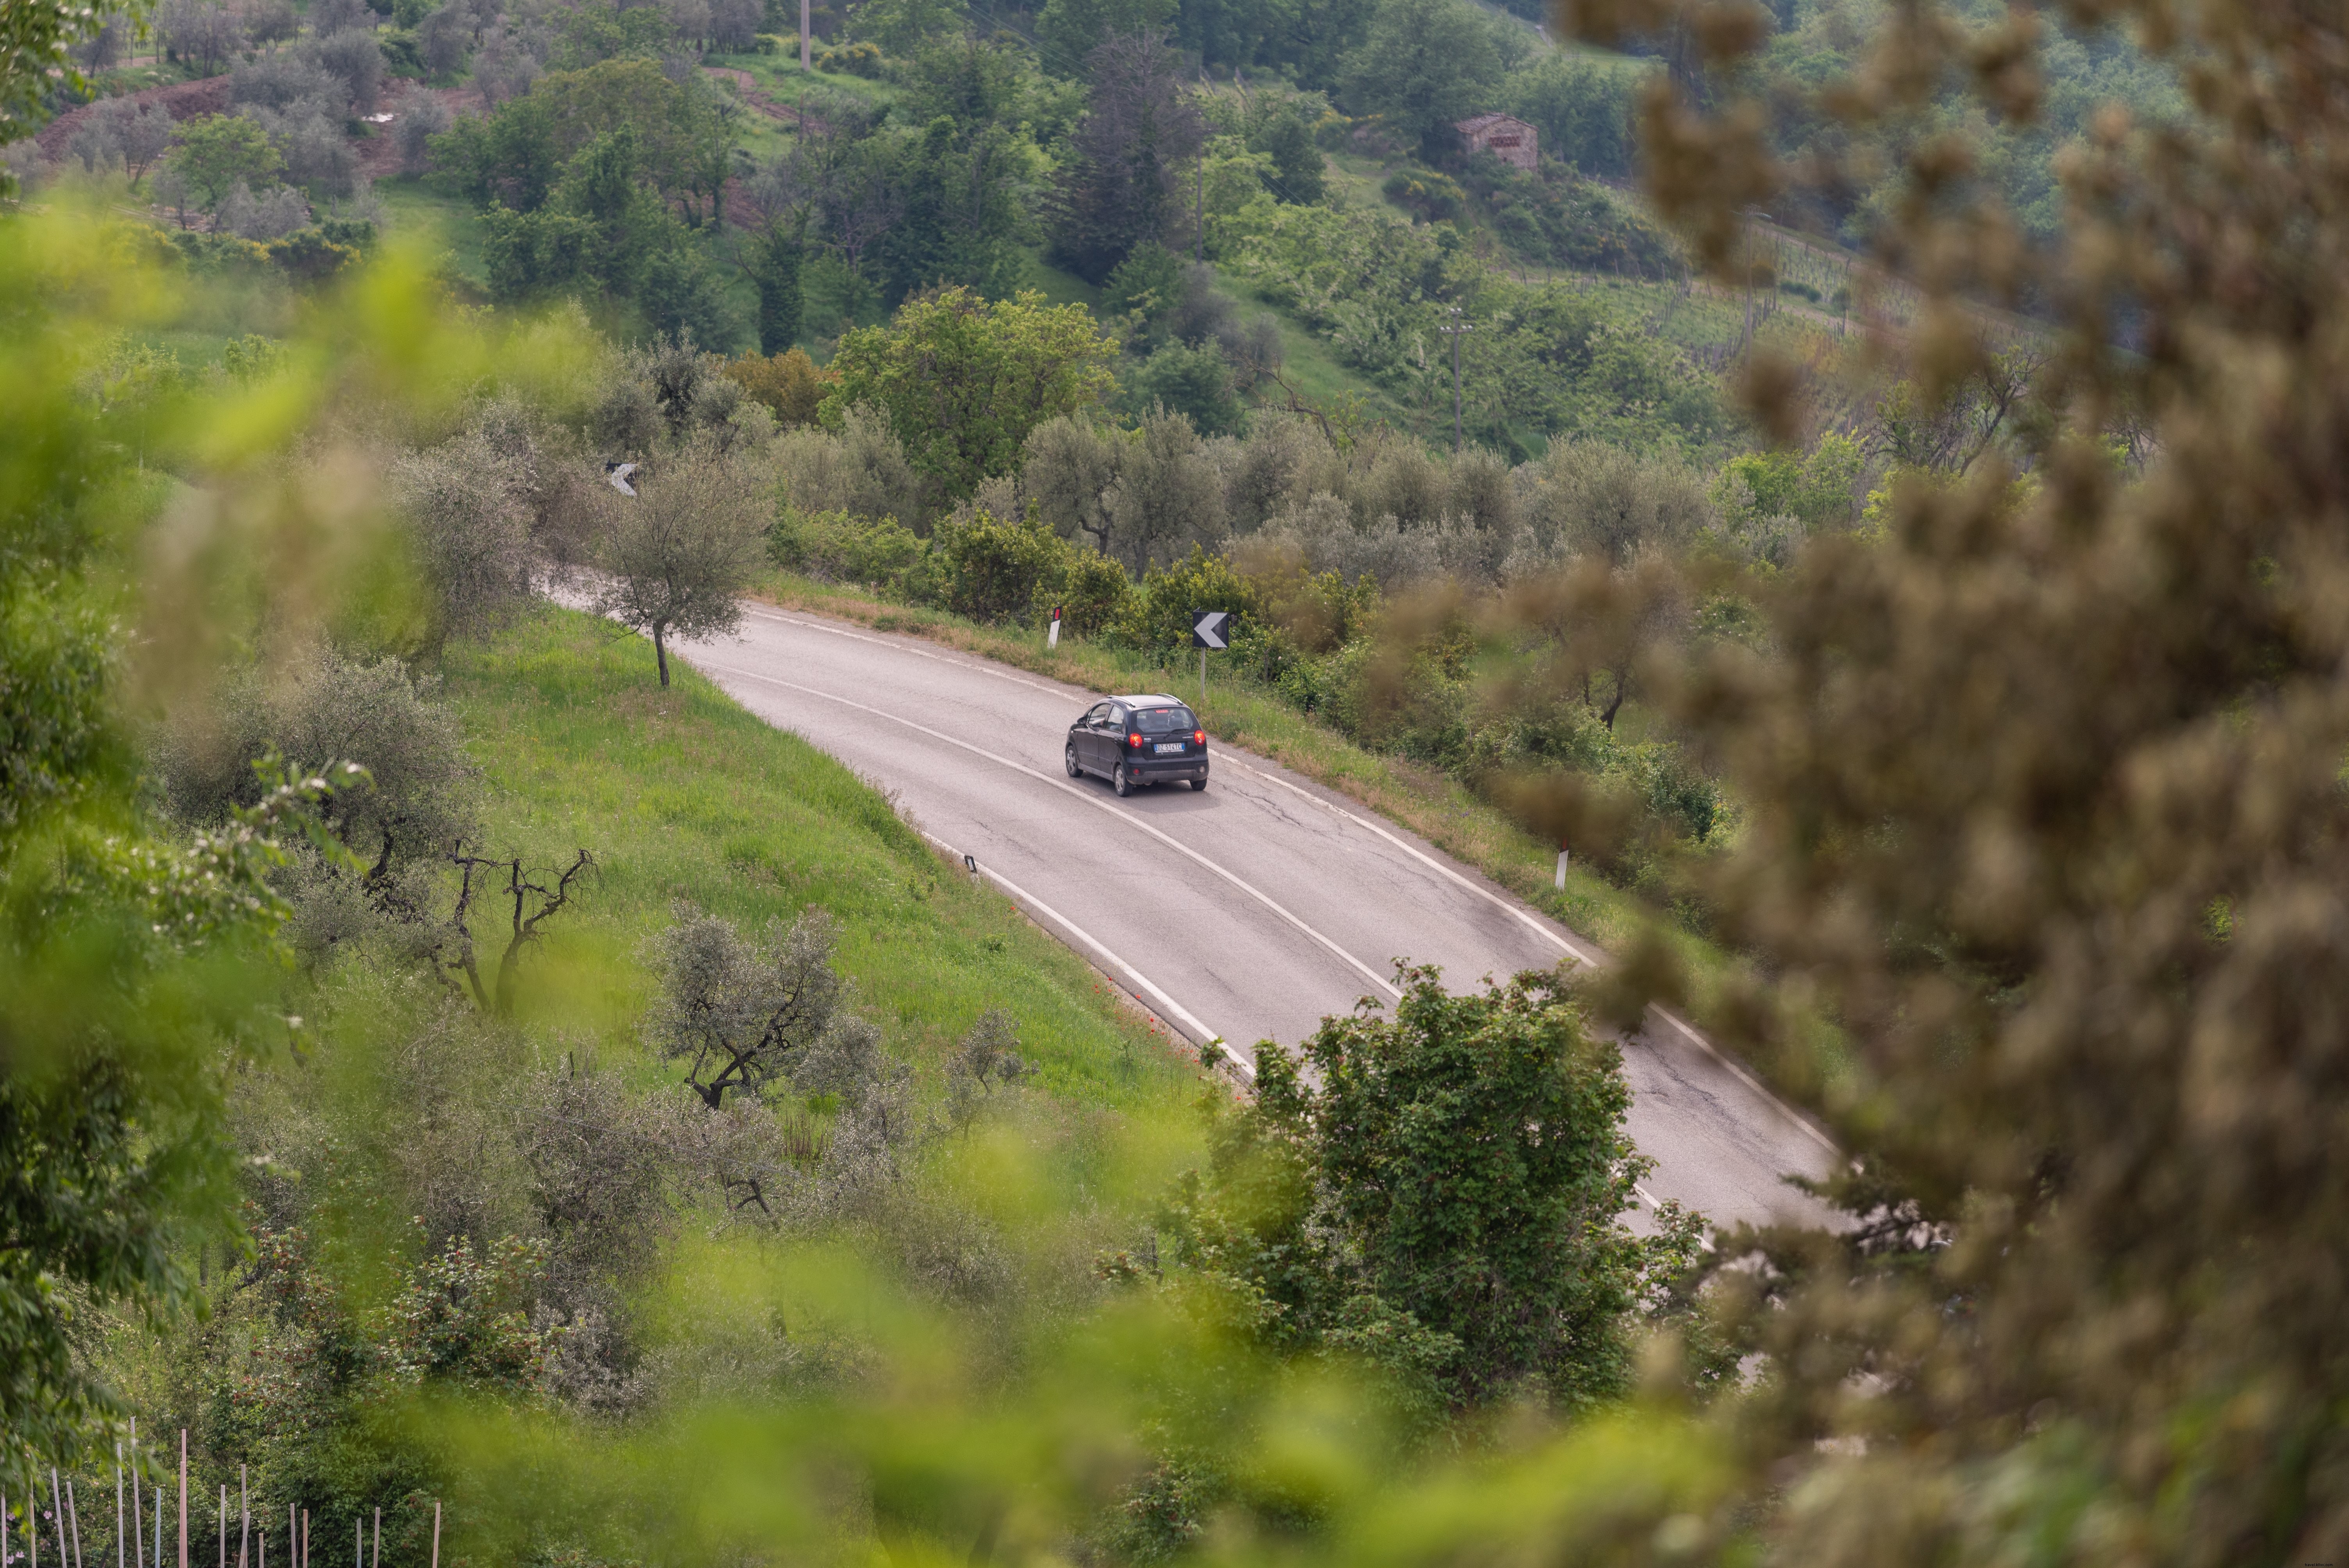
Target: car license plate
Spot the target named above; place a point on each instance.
(1164, 747)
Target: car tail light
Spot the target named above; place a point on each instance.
(1198, 738)
(1134, 740)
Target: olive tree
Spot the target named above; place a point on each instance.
(740, 1014)
(679, 551)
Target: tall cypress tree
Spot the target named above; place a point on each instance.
(775, 257)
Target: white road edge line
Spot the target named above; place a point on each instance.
(1533, 922)
(1200, 1033)
(1127, 817)
(1530, 921)
(1739, 1071)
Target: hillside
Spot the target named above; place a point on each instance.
(682, 795)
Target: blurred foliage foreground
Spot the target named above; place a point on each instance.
(2045, 804)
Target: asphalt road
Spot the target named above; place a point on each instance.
(1245, 912)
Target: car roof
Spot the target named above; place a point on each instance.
(1149, 700)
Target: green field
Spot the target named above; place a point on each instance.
(417, 209)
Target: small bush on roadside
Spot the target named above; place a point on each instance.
(1161, 615)
(841, 547)
(998, 569)
(1094, 593)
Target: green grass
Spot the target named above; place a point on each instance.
(780, 79)
(683, 796)
(415, 208)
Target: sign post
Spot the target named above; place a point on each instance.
(1209, 629)
(1052, 637)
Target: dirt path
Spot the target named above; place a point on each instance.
(748, 86)
(180, 100)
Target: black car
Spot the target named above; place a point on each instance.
(1136, 740)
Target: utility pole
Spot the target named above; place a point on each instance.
(1453, 330)
(807, 53)
(1199, 243)
(1751, 214)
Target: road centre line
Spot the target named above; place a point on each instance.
(1528, 920)
(1736, 1069)
(1175, 844)
(1201, 1033)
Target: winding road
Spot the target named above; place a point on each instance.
(1245, 914)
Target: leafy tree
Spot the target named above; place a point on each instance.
(1581, 105)
(1144, 289)
(200, 32)
(2041, 789)
(999, 568)
(1444, 1195)
(961, 212)
(518, 154)
(601, 221)
(1119, 186)
(1425, 65)
(355, 60)
(788, 383)
(1167, 499)
(1196, 383)
(37, 48)
(739, 1014)
(136, 133)
(681, 550)
(902, 27)
(217, 152)
(775, 257)
(1067, 469)
(964, 381)
(1299, 171)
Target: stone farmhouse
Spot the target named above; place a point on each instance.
(1505, 136)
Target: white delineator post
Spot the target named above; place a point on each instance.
(1052, 637)
(1561, 868)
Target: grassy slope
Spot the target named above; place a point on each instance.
(682, 795)
(415, 208)
(1428, 803)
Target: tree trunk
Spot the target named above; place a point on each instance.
(1617, 705)
(661, 651)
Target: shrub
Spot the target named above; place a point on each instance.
(1434, 198)
(841, 547)
(789, 383)
(1160, 614)
(998, 569)
(863, 58)
(1095, 593)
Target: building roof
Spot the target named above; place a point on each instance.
(1475, 123)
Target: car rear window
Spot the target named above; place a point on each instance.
(1159, 720)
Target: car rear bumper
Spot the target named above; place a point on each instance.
(1168, 767)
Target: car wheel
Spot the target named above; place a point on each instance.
(1069, 759)
(1199, 783)
(1122, 780)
